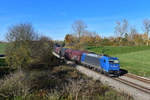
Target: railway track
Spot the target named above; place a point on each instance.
(138, 92)
(130, 83)
(145, 80)
(134, 85)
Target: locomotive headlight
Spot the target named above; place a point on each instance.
(112, 61)
(116, 61)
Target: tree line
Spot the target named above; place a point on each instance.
(124, 35)
(27, 49)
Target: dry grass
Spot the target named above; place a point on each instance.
(14, 85)
(59, 83)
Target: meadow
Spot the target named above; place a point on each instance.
(2, 51)
(134, 59)
(2, 48)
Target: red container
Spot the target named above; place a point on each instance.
(74, 55)
(68, 54)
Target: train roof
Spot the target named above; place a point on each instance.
(96, 55)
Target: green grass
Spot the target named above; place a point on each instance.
(136, 62)
(134, 59)
(110, 50)
(2, 48)
(2, 62)
(2, 51)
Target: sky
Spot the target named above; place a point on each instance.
(54, 18)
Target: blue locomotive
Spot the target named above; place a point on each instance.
(106, 64)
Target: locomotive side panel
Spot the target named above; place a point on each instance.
(92, 61)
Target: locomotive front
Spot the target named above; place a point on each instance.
(111, 65)
(108, 65)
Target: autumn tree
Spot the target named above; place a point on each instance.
(79, 27)
(138, 39)
(90, 38)
(69, 39)
(132, 33)
(98, 40)
(146, 26)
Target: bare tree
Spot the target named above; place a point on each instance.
(118, 29)
(21, 32)
(133, 31)
(121, 28)
(79, 27)
(146, 25)
(20, 38)
(26, 47)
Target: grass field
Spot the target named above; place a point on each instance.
(2, 48)
(2, 51)
(134, 59)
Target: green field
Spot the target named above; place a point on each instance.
(134, 59)
(2, 51)
(2, 48)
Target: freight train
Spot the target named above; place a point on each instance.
(104, 63)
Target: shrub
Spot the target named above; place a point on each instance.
(59, 83)
(42, 51)
(26, 47)
(20, 38)
(14, 85)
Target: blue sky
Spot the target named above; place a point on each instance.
(54, 18)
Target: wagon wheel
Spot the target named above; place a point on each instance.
(102, 71)
(105, 73)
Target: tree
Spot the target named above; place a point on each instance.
(69, 39)
(20, 38)
(146, 25)
(42, 51)
(121, 28)
(126, 37)
(26, 47)
(98, 40)
(138, 39)
(133, 31)
(79, 27)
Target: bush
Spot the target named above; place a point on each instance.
(60, 83)
(18, 51)
(14, 85)
(26, 47)
(2, 62)
(42, 51)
